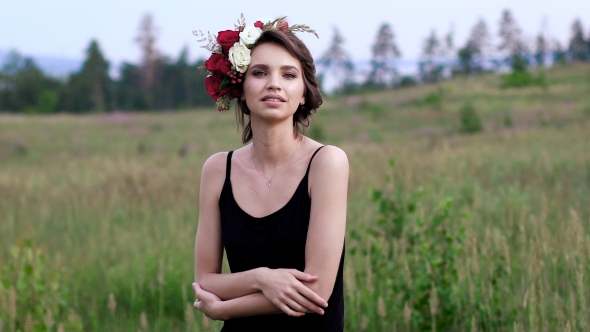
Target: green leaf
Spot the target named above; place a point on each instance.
(226, 81)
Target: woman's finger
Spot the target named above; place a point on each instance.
(312, 296)
(286, 309)
(295, 306)
(302, 275)
(307, 304)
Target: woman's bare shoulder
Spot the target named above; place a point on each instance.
(215, 164)
(330, 162)
(332, 156)
(213, 173)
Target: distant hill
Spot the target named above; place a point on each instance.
(51, 65)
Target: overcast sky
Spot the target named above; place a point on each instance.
(64, 27)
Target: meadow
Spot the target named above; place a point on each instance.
(446, 230)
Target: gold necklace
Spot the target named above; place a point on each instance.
(266, 177)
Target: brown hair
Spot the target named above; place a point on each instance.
(312, 94)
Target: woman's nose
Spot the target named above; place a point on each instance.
(273, 82)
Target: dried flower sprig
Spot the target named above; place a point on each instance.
(212, 45)
(303, 28)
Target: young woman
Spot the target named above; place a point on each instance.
(277, 205)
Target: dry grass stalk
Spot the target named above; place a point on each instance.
(582, 297)
(60, 328)
(189, 315)
(533, 324)
(364, 323)
(29, 323)
(143, 321)
(369, 269)
(112, 305)
(161, 272)
(573, 310)
(433, 300)
(12, 306)
(381, 311)
(407, 313)
(205, 322)
(48, 320)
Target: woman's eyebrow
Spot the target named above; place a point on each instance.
(266, 67)
(261, 66)
(287, 67)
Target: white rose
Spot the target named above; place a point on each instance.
(249, 35)
(239, 56)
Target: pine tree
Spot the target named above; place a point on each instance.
(151, 59)
(91, 88)
(449, 44)
(477, 48)
(430, 70)
(510, 34)
(185, 73)
(96, 71)
(337, 61)
(511, 45)
(383, 72)
(541, 50)
(578, 47)
(559, 53)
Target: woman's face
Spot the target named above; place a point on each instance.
(273, 87)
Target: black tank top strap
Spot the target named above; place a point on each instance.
(228, 166)
(310, 160)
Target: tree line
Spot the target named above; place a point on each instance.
(441, 59)
(159, 82)
(156, 83)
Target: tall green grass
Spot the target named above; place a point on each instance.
(98, 213)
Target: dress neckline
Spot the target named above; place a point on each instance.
(231, 191)
(228, 182)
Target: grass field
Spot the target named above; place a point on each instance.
(473, 232)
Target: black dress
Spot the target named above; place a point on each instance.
(275, 241)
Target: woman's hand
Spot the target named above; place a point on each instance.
(208, 303)
(284, 288)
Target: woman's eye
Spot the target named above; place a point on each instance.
(258, 73)
(289, 75)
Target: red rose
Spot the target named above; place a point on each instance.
(212, 84)
(258, 24)
(218, 64)
(282, 25)
(235, 92)
(227, 39)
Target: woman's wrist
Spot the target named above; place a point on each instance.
(259, 274)
(221, 311)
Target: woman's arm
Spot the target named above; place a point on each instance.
(283, 287)
(327, 225)
(249, 305)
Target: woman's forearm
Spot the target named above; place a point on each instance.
(248, 305)
(231, 285)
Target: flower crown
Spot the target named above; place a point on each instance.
(231, 56)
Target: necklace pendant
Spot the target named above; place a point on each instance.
(269, 182)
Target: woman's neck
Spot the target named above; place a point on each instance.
(274, 144)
